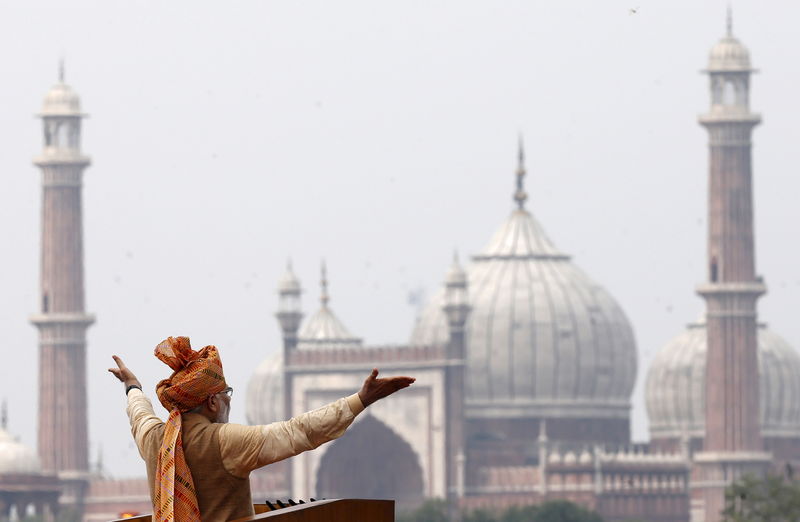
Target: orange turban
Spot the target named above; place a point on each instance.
(195, 377)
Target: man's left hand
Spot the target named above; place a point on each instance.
(375, 389)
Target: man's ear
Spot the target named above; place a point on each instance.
(212, 403)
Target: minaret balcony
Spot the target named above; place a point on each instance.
(754, 288)
(61, 157)
(722, 114)
(62, 318)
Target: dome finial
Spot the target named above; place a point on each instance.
(324, 297)
(729, 21)
(61, 70)
(520, 195)
(4, 415)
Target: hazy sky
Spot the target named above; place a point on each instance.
(380, 136)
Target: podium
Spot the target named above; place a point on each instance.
(333, 510)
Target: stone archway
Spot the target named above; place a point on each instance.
(371, 461)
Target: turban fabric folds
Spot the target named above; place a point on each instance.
(195, 377)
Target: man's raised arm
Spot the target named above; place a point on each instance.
(280, 440)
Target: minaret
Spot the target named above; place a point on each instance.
(732, 421)
(733, 442)
(456, 309)
(62, 320)
(289, 312)
(289, 316)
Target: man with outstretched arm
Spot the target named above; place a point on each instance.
(198, 465)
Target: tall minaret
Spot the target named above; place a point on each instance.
(733, 442)
(62, 320)
(289, 316)
(456, 309)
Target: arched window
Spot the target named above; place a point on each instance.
(729, 93)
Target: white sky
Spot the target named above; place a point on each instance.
(379, 135)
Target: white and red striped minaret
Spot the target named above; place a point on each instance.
(62, 320)
(733, 444)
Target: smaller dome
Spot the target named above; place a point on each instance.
(586, 457)
(289, 284)
(729, 55)
(264, 400)
(456, 276)
(17, 458)
(570, 458)
(324, 329)
(675, 385)
(61, 100)
(555, 458)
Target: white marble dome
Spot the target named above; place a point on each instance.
(322, 330)
(264, 400)
(289, 282)
(675, 388)
(729, 54)
(542, 338)
(16, 458)
(61, 100)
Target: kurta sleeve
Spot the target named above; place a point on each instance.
(245, 448)
(145, 426)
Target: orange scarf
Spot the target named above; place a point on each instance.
(196, 376)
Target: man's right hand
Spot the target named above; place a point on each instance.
(124, 375)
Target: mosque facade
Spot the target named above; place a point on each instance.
(543, 361)
(525, 368)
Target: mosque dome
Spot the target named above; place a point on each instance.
(729, 54)
(541, 338)
(322, 330)
(675, 385)
(15, 457)
(264, 401)
(289, 282)
(61, 100)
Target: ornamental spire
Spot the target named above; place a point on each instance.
(729, 22)
(324, 297)
(61, 70)
(520, 196)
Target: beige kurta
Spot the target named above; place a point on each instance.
(221, 456)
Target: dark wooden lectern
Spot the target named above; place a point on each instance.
(334, 510)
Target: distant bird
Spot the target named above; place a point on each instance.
(633, 10)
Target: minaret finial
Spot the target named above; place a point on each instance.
(324, 297)
(61, 70)
(729, 21)
(520, 196)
